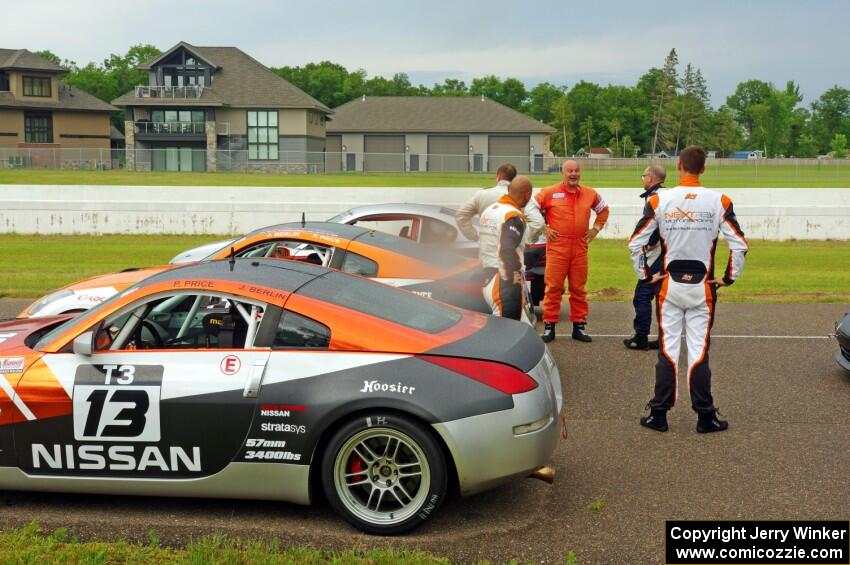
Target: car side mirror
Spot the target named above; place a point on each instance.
(83, 344)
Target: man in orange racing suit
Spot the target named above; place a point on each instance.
(689, 219)
(566, 207)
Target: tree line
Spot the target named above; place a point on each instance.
(667, 109)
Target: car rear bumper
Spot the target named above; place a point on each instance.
(485, 448)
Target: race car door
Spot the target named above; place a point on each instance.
(169, 393)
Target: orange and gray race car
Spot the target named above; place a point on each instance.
(264, 379)
(430, 271)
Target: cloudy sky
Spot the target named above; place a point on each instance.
(560, 41)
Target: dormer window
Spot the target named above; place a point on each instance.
(182, 68)
(4, 82)
(37, 86)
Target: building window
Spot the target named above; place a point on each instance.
(38, 127)
(4, 82)
(262, 136)
(37, 86)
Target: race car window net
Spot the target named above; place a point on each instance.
(381, 301)
(290, 249)
(182, 321)
(299, 332)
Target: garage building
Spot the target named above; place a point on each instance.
(433, 133)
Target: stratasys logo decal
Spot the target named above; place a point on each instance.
(377, 386)
(12, 365)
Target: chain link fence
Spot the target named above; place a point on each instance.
(764, 172)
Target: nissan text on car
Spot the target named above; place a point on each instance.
(278, 380)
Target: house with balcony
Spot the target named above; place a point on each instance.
(217, 108)
(45, 122)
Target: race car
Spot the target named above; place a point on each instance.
(842, 334)
(263, 379)
(432, 272)
(424, 223)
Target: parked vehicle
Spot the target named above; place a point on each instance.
(262, 379)
(424, 223)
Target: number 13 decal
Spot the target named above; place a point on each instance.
(116, 410)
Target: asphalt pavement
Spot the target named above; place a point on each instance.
(786, 456)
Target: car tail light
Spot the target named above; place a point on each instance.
(503, 378)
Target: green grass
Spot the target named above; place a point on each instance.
(31, 545)
(788, 271)
(792, 271)
(30, 266)
(835, 173)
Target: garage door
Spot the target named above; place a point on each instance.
(333, 154)
(509, 149)
(383, 153)
(448, 153)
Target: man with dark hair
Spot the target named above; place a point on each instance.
(653, 176)
(689, 219)
(567, 207)
(501, 250)
(487, 197)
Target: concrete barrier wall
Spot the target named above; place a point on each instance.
(768, 213)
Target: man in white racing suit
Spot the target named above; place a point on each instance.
(501, 250)
(484, 198)
(689, 219)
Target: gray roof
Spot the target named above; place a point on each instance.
(114, 134)
(431, 114)
(240, 81)
(70, 98)
(21, 59)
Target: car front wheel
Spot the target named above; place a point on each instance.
(384, 473)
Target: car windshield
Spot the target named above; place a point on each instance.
(376, 299)
(88, 315)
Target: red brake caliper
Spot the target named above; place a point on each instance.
(356, 466)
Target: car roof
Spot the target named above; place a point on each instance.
(343, 231)
(287, 276)
(430, 210)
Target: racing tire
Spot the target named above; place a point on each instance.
(384, 473)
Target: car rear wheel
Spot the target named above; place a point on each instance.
(384, 473)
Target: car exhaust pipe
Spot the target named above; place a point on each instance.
(545, 473)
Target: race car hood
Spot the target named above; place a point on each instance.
(502, 340)
(14, 333)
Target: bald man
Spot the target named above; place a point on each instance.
(566, 207)
(501, 249)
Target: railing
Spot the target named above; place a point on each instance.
(191, 91)
(744, 172)
(171, 128)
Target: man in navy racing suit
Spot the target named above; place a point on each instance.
(653, 176)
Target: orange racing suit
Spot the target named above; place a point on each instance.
(568, 213)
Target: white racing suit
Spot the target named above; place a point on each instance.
(689, 219)
(501, 252)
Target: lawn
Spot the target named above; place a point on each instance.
(32, 545)
(792, 271)
(746, 174)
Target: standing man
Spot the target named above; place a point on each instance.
(501, 245)
(488, 196)
(689, 219)
(652, 178)
(566, 206)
